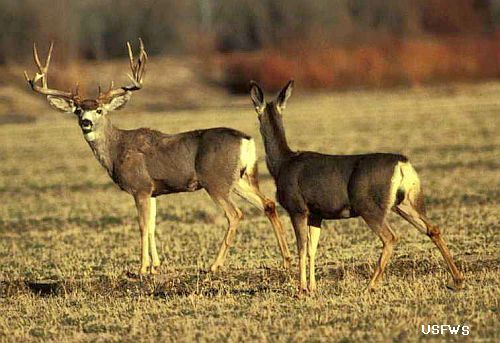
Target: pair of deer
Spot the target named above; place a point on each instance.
(310, 186)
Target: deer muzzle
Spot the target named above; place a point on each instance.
(86, 125)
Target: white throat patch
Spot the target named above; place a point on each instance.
(89, 137)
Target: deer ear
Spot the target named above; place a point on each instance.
(257, 97)
(284, 95)
(61, 104)
(118, 102)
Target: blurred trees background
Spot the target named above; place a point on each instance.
(326, 43)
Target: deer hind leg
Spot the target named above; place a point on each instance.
(407, 211)
(151, 234)
(143, 204)
(299, 222)
(389, 239)
(249, 190)
(233, 216)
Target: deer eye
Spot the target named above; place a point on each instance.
(78, 111)
(99, 111)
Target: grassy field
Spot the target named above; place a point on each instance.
(65, 224)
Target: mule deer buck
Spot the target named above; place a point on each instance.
(313, 187)
(147, 163)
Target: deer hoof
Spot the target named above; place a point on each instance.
(132, 275)
(214, 268)
(286, 262)
(455, 285)
(372, 287)
(302, 292)
(144, 270)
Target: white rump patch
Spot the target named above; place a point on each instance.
(406, 178)
(248, 156)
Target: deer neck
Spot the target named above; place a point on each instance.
(104, 142)
(275, 143)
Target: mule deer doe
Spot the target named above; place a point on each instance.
(313, 187)
(147, 163)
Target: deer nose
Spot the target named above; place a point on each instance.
(86, 124)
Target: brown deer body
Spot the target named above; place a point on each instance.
(313, 187)
(147, 163)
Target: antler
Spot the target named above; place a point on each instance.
(138, 71)
(42, 75)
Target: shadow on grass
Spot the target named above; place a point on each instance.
(180, 284)
(230, 282)
(194, 282)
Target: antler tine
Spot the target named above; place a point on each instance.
(136, 76)
(138, 70)
(134, 81)
(36, 58)
(130, 57)
(42, 75)
(143, 56)
(49, 56)
(138, 67)
(42, 68)
(141, 44)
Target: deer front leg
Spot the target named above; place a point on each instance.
(312, 247)
(300, 226)
(143, 204)
(151, 235)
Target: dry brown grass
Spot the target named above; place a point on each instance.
(68, 236)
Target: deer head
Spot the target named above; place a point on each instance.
(274, 107)
(270, 113)
(90, 112)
